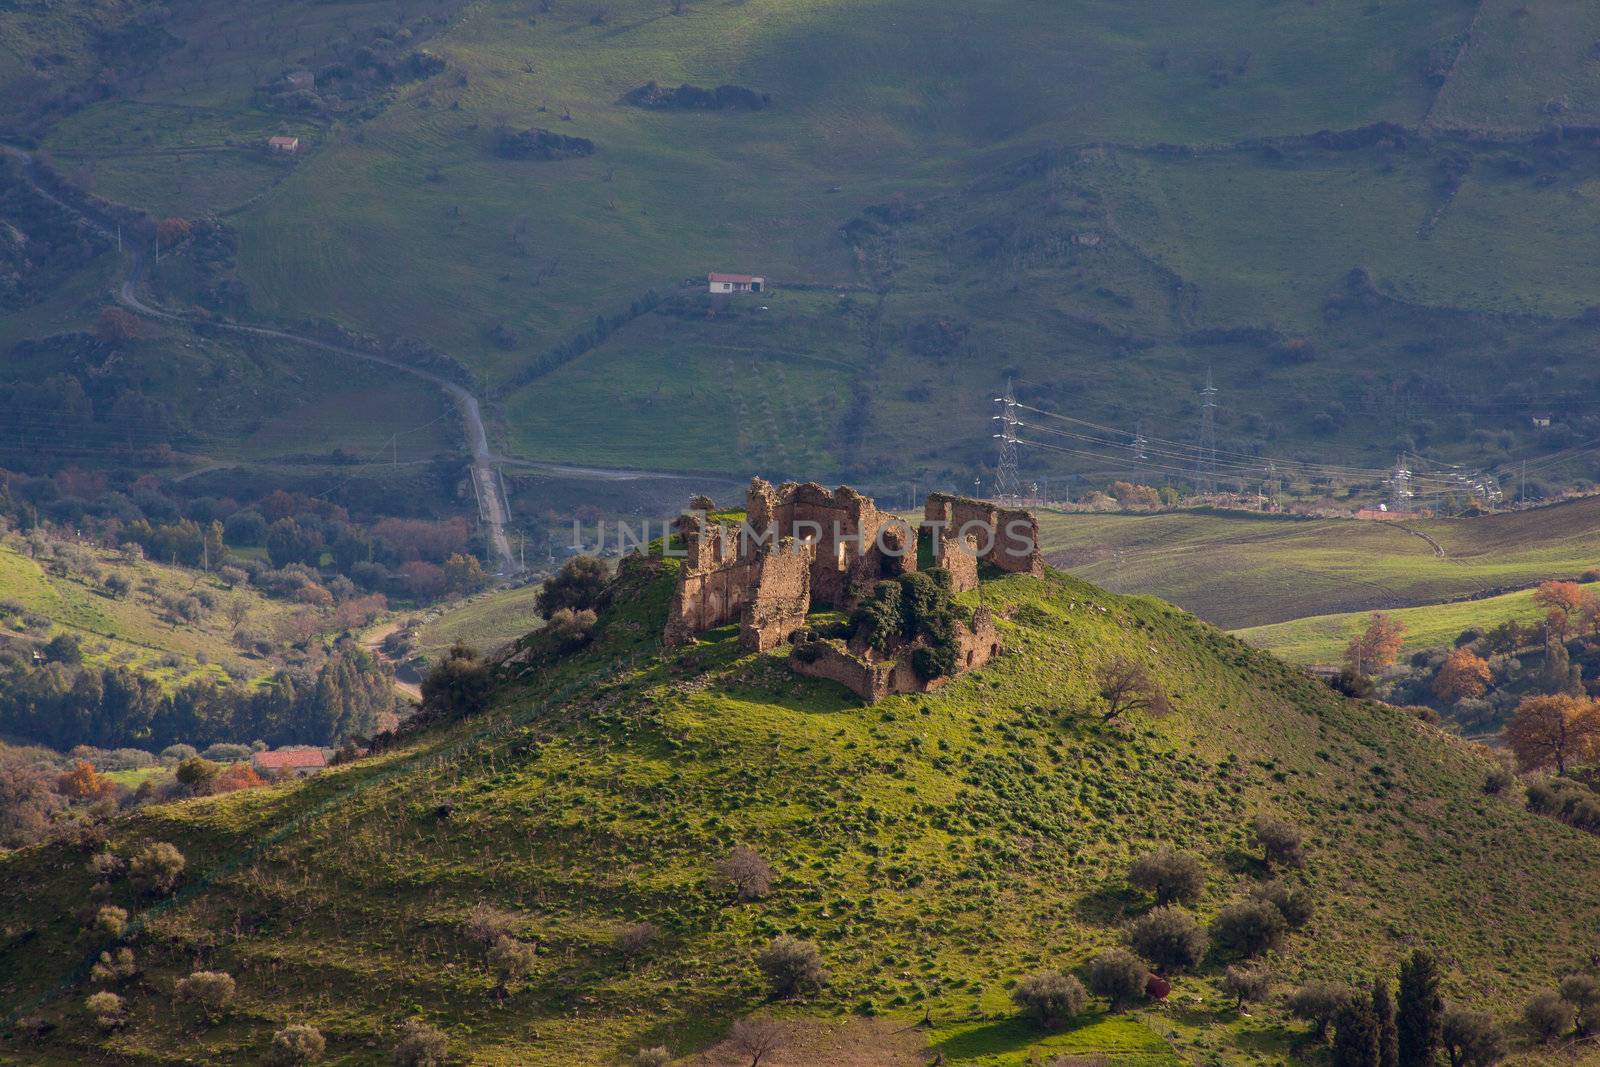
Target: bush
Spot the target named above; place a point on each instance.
(791, 966)
(572, 629)
(513, 959)
(106, 866)
(1547, 1016)
(1317, 1003)
(111, 920)
(1582, 991)
(1471, 1039)
(210, 991)
(1498, 781)
(1249, 927)
(1051, 998)
(1119, 976)
(1281, 842)
(296, 1045)
(420, 1045)
(223, 752)
(178, 753)
(659, 1056)
(576, 586)
(118, 967)
(458, 685)
(746, 872)
(487, 924)
(1294, 903)
(1168, 937)
(156, 868)
(635, 938)
(1248, 982)
(197, 773)
(106, 1008)
(1169, 875)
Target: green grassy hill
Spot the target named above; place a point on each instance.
(1098, 199)
(1322, 639)
(1239, 570)
(936, 848)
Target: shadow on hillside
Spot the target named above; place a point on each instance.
(1108, 904)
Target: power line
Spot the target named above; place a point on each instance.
(1008, 486)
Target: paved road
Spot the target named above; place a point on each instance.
(493, 509)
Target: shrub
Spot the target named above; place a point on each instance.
(635, 938)
(1246, 982)
(513, 959)
(1168, 937)
(1547, 1016)
(224, 752)
(791, 966)
(658, 1056)
(197, 773)
(296, 1045)
(573, 629)
(114, 968)
(156, 868)
(756, 1038)
(1281, 842)
(1169, 875)
(111, 920)
(420, 1045)
(1119, 976)
(576, 586)
(745, 870)
(1249, 927)
(210, 991)
(486, 923)
(458, 685)
(106, 1008)
(1582, 991)
(1050, 998)
(1317, 1003)
(177, 753)
(1294, 903)
(1471, 1039)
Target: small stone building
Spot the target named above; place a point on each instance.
(291, 145)
(289, 762)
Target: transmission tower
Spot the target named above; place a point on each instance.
(1007, 485)
(1400, 493)
(1205, 464)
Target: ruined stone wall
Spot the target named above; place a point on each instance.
(872, 678)
(780, 598)
(845, 527)
(714, 583)
(1007, 537)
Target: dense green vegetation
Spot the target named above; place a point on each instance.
(935, 848)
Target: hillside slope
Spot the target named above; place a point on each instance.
(935, 847)
(1100, 200)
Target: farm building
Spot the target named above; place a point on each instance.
(735, 283)
(284, 144)
(299, 762)
(300, 79)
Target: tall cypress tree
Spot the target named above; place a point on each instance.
(1383, 1016)
(1421, 1010)
(1355, 1034)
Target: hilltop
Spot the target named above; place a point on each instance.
(936, 847)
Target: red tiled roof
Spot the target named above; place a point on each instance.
(737, 279)
(290, 759)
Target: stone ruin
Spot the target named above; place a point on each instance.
(802, 548)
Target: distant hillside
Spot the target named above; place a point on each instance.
(1240, 570)
(935, 848)
(1366, 219)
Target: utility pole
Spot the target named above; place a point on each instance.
(1400, 485)
(1205, 478)
(1007, 487)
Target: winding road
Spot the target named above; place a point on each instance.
(494, 511)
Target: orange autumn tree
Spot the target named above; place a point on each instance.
(1567, 604)
(1463, 674)
(1376, 647)
(238, 776)
(1561, 730)
(83, 782)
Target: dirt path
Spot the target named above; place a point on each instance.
(372, 641)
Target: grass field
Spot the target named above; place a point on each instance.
(936, 847)
(1242, 571)
(1322, 639)
(484, 622)
(136, 631)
